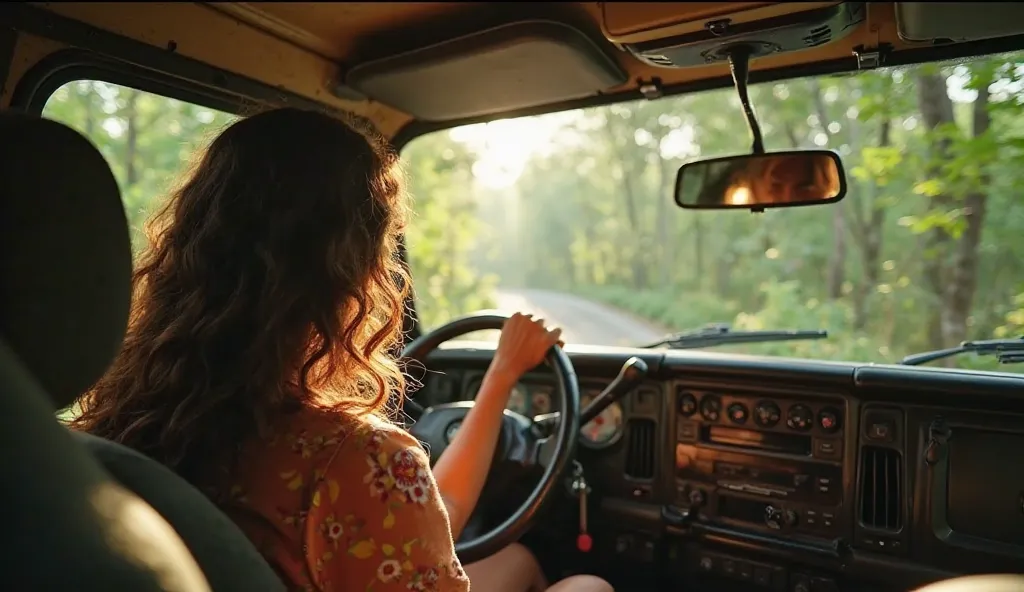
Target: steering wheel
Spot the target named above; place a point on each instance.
(518, 442)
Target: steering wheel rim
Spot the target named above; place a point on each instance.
(561, 445)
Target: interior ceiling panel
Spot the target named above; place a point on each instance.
(307, 47)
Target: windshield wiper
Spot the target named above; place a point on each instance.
(722, 334)
(1007, 351)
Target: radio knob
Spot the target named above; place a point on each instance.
(738, 413)
(828, 420)
(773, 517)
(791, 518)
(800, 418)
(697, 498)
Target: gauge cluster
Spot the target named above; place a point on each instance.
(533, 399)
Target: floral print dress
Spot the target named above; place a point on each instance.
(338, 505)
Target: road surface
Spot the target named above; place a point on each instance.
(582, 321)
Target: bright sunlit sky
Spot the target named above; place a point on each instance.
(504, 147)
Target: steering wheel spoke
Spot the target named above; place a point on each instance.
(526, 446)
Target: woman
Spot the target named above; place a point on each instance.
(259, 363)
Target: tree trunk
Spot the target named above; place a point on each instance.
(868, 232)
(964, 273)
(837, 261)
(936, 111)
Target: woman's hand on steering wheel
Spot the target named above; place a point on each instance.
(523, 344)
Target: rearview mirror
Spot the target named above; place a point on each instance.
(759, 181)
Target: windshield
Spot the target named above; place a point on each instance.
(570, 215)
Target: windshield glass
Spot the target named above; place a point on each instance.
(570, 215)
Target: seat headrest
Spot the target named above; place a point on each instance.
(65, 255)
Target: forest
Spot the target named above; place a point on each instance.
(924, 252)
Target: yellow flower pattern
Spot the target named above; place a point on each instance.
(343, 504)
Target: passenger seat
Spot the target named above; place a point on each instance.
(72, 523)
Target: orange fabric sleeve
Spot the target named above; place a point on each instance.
(378, 523)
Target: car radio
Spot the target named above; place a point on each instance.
(753, 461)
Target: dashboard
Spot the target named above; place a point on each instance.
(784, 474)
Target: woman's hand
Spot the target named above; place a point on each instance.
(523, 344)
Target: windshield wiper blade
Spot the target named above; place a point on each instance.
(722, 334)
(1007, 351)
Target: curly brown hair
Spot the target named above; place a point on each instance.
(273, 281)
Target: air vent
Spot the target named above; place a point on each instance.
(818, 36)
(658, 59)
(640, 449)
(881, 488)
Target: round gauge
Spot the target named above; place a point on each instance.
(828, 419)
(686, 404)
(540, 403)
(737, 413)
(517, 400)
(710, 407)
(800, 417)
(605, 429)
(767, 414)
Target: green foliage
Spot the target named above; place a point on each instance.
(925, 251)
(907, 262)
(148, 140)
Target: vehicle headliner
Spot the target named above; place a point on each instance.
(303, 46)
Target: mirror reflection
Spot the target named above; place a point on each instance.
(762, 180)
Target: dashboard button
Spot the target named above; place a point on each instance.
(830, 449)
(762, 576)
(800, 418)
(745, 571)
(706, 563)
(881, 431)
(686, 431)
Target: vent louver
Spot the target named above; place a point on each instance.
(640, 455)
(881, 488)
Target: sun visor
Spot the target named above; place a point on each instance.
(958, 21)
(510, 67)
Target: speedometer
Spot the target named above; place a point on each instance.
(517, 400)
(605, 429)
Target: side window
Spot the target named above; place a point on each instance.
(147, 139)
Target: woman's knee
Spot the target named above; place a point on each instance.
(582, 583)
(514, 568)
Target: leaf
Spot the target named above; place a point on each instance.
(407, 547)
(295, 483)
(389, 520)
(363, 549)
(333, 489)
(316, 499)
(388, 550)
